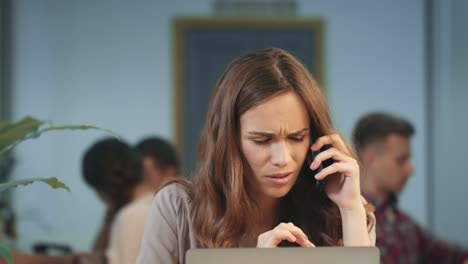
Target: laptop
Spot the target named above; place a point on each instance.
(329, 255)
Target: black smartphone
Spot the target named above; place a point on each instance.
(319, 184)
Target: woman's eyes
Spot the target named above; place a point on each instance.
(261, 141)
(297, 139)
(267, 140)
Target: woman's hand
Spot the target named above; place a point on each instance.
(342, 187)
(342, 177)
(281, 232)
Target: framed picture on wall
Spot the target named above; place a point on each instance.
(204, 47)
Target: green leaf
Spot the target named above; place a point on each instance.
(52, 182)
(12, 133)
(79, 127)
(5, 253)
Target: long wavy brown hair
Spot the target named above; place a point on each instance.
(221, 201)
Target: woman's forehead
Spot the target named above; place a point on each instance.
(282, 111)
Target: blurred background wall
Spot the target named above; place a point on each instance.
(448, 79)
(109, 63)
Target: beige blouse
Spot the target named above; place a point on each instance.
(168, 232)
(127, 230)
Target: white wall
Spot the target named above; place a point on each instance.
(109, 63)
(450, 125)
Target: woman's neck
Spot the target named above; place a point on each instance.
(140, 190)
(268, 215)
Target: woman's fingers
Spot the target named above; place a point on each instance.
(283, 232)
(333, 139)
(331, 153)
(334, 169)
(300, 235)
(342, 176)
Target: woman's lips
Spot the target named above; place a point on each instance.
(280, 178)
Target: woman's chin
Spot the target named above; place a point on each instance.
(278, 192)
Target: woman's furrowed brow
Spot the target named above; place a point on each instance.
(261, 133)
(300, 131)
(269, 134)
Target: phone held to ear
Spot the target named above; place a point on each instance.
(320, 184)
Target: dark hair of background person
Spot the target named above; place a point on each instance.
(376, 127)
(160, 150)
(112, 168)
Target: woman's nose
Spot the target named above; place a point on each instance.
(280, 155)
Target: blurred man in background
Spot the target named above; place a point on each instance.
(382, 143)
(160, 161)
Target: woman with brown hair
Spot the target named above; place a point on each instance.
(253, 186)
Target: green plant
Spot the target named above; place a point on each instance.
(13, 133)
